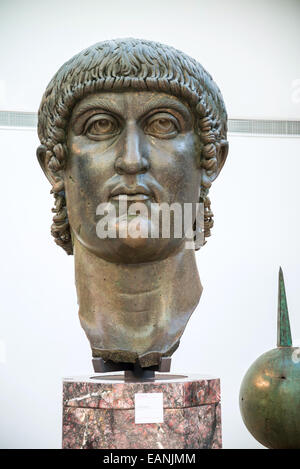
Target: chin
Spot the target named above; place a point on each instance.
(132, 245)
(133, 250)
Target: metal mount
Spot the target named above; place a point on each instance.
(132, 371)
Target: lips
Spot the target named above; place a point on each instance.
(131, 198)
(133, 193)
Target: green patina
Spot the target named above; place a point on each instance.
(270, 391)
(284, 336)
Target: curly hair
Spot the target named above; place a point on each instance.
(124, 64)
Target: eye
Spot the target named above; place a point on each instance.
(162, 125)
(101, 127)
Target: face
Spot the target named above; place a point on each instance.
(135, 146)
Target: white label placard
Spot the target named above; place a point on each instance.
(149, 407)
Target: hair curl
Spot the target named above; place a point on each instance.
(124, 64)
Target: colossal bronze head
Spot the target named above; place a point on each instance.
(138, 122)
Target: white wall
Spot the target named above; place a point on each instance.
(255, 202)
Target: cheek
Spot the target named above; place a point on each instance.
(89, 167)
(175, 165)
(85, 175)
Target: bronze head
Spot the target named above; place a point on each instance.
(138, 119)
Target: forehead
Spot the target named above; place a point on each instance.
(131, 103)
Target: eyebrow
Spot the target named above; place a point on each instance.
(101, 102)
(165, 102)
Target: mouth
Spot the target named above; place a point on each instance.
(131, 197)
(131, 194)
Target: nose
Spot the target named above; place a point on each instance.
(133, 159)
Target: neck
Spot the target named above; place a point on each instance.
(135, 311)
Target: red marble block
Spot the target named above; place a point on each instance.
(98, 413)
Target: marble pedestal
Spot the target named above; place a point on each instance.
(99, 413)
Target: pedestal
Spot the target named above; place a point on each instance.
(99, 413)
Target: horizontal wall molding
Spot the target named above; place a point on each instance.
(235, 126)
(264, 127)
(18, 119)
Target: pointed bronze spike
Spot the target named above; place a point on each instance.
(284, 336)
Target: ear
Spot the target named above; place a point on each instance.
(51, 164)
(222, 153)
(214, 157)
(43, 159)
